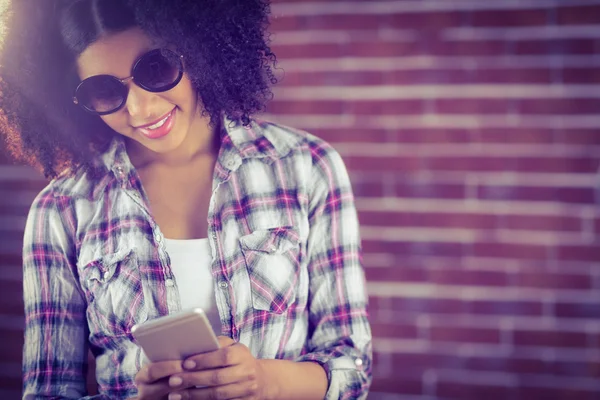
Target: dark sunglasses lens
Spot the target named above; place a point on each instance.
(158, 71)
(101, 93)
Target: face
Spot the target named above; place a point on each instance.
(156, 122)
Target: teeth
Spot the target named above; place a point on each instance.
(159, 123)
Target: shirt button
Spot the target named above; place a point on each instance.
(214, 235)
(158, 237)
(169, 283)
(358, 362)
(223, 285)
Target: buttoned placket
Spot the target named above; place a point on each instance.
(173, 302)
(222, 287)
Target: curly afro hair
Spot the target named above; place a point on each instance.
(224, 42)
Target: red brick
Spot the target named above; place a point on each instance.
(559, 106)
(579, 136)
(429, 219)
(315, 50)
(11, 297)
(421, 362)
(528, 391)
(471, 48)
(292, 22)
(514, 136)
(473, 106)
(381, 48)
(422, 305)
(394, 330)
(540, 222)
(11, 346)
(581, 75)
(491, 307)
(28, 185)
(415, 189)
(565, 309)
(582, 164)
(382, 164)
(536, 193)
(386, 107)
(555, 46)
(397, 273)
(432, 136)
(11, 381)
(440, 333)
(459, 276)
(332, 78)
(367, 189)
(352, 135)
(427, 21)
(549, 338)
(414, 248)
(510, 250)
(472, 391)
(307, 107)
(547, 280)
(429, 76)
(579, 14)
(516, 75)
(14, 258)
(580, 253)
(506, 364)
(509, 18)
(377, 246)
(397, 384)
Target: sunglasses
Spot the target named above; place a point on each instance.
(156, 71)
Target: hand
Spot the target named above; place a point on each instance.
(152, 380)
(228, 373)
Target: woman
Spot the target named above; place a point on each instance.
(165, 195)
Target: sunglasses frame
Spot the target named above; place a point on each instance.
(124, 81)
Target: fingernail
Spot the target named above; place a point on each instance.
(174, 396)
(175, 381)
(189, 364)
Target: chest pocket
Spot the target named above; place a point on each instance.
(115, 296)
(272, 259)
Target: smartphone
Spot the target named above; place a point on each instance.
(176, 336)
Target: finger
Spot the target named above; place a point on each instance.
(213, 377)
(224, 357)
(224, 392)
(225, 341)
(155, 371)
(156, 390)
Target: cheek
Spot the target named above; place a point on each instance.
(117, 122)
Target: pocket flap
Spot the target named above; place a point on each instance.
(274, 240)
(103, 269)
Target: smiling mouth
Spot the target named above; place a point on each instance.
(157, 123)
(160, 128)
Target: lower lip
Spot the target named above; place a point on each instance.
(163, 130)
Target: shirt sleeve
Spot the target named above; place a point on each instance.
(55, 350)
(341, 338)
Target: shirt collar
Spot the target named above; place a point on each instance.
(259, 139)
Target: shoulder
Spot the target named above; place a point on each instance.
(72, 185)
(286, 139)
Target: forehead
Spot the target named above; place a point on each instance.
(114, 54)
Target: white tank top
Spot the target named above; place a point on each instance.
(191, 261)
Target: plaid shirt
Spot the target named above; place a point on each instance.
(286, 264)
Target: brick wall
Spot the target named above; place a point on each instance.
(471, 132)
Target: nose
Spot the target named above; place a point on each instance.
(138, 102)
